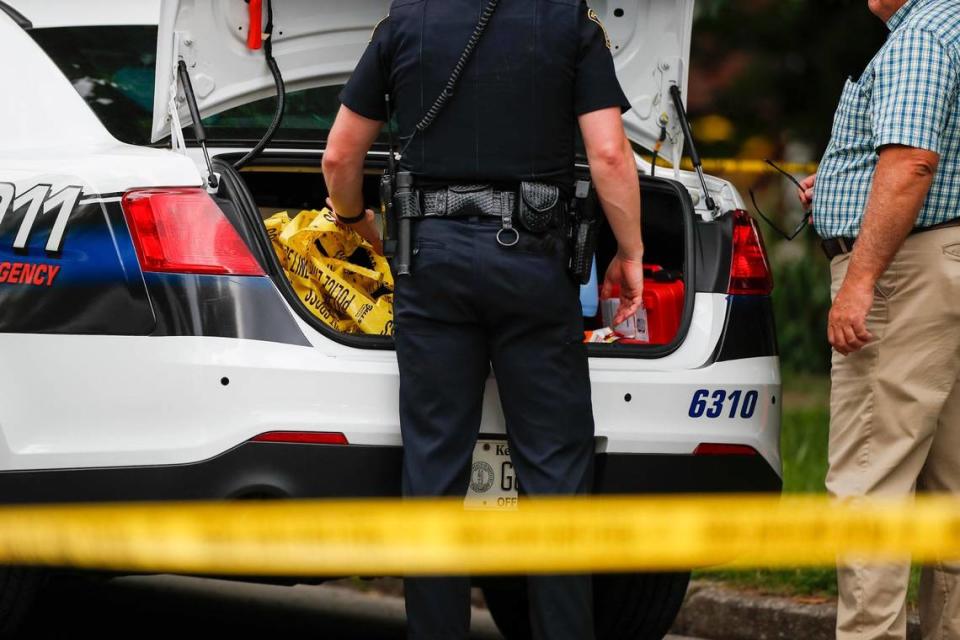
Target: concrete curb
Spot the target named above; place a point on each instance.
(714, 611)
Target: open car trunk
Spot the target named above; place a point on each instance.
(316, 44)
(292, 183)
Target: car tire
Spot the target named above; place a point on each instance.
(630, 606)
(18, 590)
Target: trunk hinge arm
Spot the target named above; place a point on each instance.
(692, 148)
(181, 81)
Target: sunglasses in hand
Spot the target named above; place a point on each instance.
(803, 223)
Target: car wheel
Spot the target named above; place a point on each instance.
(631, 606)
(640, 606)
(18, 589)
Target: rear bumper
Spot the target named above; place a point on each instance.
(665, 473)
(273, 470)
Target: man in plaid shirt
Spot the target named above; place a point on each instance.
(887, 202)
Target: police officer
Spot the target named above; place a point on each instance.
(484, 289)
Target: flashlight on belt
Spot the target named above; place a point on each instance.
(407, 206)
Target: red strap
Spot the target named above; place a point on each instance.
(255, 34)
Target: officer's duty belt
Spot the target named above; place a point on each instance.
(537, 206)
(464, 201)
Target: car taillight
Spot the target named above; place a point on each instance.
(749, 269)
(710, 449)
(184, 231)
(302, 437)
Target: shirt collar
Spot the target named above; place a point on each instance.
(897, 19)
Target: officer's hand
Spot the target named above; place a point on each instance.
(847, 323)
(806, 193)
(628, 273)
(367, 228)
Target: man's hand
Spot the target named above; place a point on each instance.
(847, 322)
(628, 274)
(900, 186)
(806, 193)
(367, 228)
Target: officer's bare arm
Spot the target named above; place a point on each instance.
(902, 180)
(350, 139)
(614, 171)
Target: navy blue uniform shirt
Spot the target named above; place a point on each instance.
(540, 64)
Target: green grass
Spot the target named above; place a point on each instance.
(803, 443)
(804, 432)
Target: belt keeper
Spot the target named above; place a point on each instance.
(506, 225)
(409, 205)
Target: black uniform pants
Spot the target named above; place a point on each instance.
(471, 303)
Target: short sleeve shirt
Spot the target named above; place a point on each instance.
(540, 64)
(909, 95)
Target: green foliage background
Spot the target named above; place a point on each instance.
(801, 302)
(774, 69)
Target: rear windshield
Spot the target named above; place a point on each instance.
(112, 67)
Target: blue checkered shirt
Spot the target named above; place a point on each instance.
(908, 95)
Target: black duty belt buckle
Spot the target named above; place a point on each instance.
(464, 200)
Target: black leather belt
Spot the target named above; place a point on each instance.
(464, 201)
(833, 247)
(535, 207)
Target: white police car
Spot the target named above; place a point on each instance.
(152, 349)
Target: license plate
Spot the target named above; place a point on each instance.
(493, 480)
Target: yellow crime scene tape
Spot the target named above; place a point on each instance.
(423, 537)
(743, 166)
(747, 166)
(320, 259)
(737, 165)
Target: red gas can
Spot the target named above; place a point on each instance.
(663, 295)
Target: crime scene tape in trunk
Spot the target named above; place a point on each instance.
(322, 260)
(423, 537)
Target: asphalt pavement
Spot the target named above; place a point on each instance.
(175, 606)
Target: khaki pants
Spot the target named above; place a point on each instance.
(895, 427)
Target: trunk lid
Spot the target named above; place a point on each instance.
(318, 43)
(44, 14)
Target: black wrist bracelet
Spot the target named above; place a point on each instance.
(354, 219)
